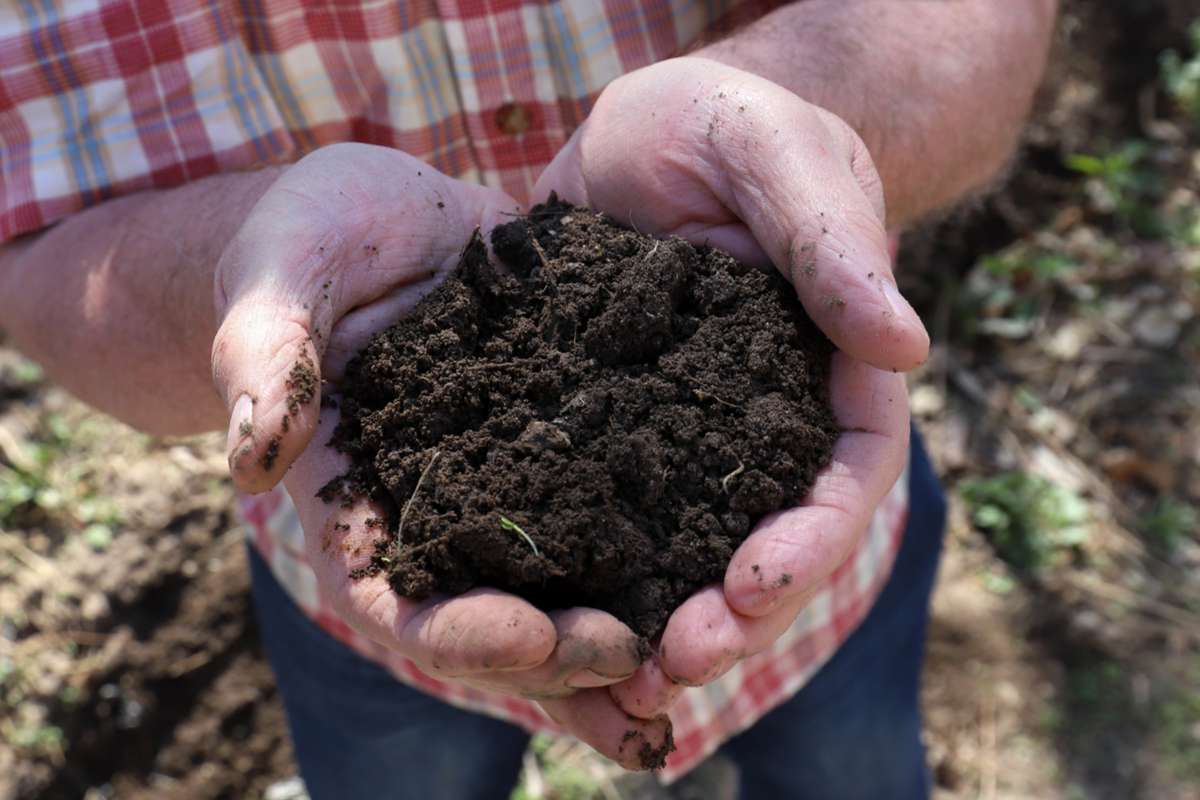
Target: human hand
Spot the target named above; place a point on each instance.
(694, 148)
(343, 243)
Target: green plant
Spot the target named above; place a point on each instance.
(998, 582)
(1099, 689)
(1177, 721)
(46, 740)
(23, 373)
(1021, 266)
(40, 484)
(1181, 75)
(70, 695)
(1008, 290)
(24, 488)
(1183, 226)
(98, 536)
(1170, 523)
(12, 681)
(1125, 185)
(560, 778)
(508, 525)
(1026, 518)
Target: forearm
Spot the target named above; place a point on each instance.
(116, 302)
(938, 90)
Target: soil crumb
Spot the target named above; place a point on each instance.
(601, 425)
(301, 383)
(656, 757)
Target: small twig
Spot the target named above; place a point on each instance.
(633, 224)
(190, 664)
(498, 365)
(702, 395)
(12, 452)
(537, 248)
(27, 557)
(408, 505)
(725, 481)
(508, 525)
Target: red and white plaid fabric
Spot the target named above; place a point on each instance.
(100, 98)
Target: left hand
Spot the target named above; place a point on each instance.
(693, 148)
(343, 243)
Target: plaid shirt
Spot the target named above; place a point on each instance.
(104, 97)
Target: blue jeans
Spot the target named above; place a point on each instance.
(854, 731)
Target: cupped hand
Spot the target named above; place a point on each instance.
(694, 148)
(346, 241)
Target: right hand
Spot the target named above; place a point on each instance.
(346, 241)
(694, 148)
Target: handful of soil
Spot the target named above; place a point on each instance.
(600, 428)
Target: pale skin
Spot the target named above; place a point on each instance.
(797, 141)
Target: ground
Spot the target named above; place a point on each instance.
(1062, 406)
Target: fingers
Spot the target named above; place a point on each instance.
(351, 231)
(705, 637)
(595, 719)
(268, 363)
(649, 693)
(793, 551)
(741, 163)
(481, 631)
(593, 649)
(775, 572)
(486, 638)
(805, 185)
(565, 175)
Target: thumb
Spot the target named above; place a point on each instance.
(740, 163)
(268, 365)
(348, 236)
(825, 230)
(267, 352)
(564, 175)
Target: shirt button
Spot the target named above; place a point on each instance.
(513, 119)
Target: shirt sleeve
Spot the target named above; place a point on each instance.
(100, 98)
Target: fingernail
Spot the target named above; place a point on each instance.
(896, 302)
(240, 423)
(587, 679)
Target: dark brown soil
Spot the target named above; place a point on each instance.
(650, 757)
(139, 663)
(601, 428)
(194, 713)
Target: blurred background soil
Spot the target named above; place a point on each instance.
(1061, 404)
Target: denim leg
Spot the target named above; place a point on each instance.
(854, 731)
(360, 733)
